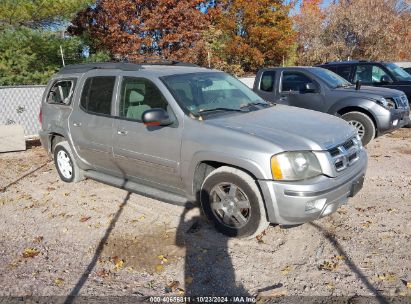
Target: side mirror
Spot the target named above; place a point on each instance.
(156, 117)
(310, 88)
(385, 79)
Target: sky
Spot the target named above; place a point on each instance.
(324, 3)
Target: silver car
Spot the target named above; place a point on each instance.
(181, 133)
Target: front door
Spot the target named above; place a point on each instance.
(146, 154)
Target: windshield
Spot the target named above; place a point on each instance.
(330, 78)
(398, 72)
(214, 91)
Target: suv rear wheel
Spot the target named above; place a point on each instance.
(363, 124)
(66, 167)
(231, 199)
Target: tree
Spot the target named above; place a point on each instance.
(256, 33)
(137, 29)
(31, 35)
(361, 29)
(31, 56)
(36, 13)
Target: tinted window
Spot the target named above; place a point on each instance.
(294, 81)
(368, 73)
(344, 71)
(267, 81)
(61, 92)
(139, 95)
(97, 94)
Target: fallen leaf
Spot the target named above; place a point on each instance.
(84, 219)
(103, 273)
(159, 268)
(66, 194)
(366, 224)
(286, 270)
(30, 252)
(260, 237)
(59, 281)
(142, 218)
(172, 286)
(188, 280)
(340, 257)
(330, 285)
(118, 263)
(38, 239)
(326, 265)
(163, 258)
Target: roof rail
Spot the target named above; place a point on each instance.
(125, 66)
(85, 67)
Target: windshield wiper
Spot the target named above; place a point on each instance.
(219, 110)
(256, 103)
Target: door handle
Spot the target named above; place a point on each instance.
(77, 124)
(122, 132)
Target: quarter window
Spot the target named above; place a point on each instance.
(97, 94)
(267, 81)
(137, 96)
(61, 92)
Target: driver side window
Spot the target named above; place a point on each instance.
(137, 96)
(294, 82)
(369, 74)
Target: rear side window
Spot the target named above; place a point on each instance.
(61, 92)
(97, 94)
(267, 81)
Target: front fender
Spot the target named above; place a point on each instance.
(249, 165)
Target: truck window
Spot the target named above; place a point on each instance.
(137, 96)
(344, 71)
(294, 81)
(97, 94)
(267, 81)
(368, 73)
(61, 92)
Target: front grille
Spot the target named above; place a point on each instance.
(401, 102)
(345, 154)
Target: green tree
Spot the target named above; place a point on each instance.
(31, 34)
(30, 56)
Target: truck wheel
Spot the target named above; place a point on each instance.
(231, 200)
(363, 124)
(66, 167)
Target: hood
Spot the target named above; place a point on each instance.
(373, 92)
(290, 128)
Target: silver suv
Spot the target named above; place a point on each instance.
(183, 133)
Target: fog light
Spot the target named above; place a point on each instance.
(395, 122)
(314, 206)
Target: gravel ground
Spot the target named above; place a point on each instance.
(92, 239)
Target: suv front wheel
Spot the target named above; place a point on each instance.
(231, 200)
(66, 167)
(363, 124)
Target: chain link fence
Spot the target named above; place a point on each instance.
(21, 105)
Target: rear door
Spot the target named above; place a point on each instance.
(146, 154)
(293, 93)
(91, 122)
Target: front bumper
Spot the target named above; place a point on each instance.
(394, 119)
(290, 203)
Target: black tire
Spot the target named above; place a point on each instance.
(359, 118)
(253, 217)
(69, 172)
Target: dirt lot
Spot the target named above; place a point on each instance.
(92, 239)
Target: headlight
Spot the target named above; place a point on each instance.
(293, 166)
(386, 103)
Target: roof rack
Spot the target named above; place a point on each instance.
(125, 66)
